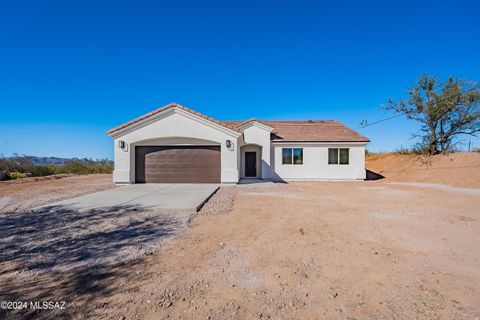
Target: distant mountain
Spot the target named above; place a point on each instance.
(50, 160)
(56, 161)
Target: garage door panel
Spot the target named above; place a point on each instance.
(177, 164)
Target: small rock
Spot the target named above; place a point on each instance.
(332, 292)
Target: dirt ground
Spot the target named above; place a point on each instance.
(460, 169)
(323, 250)
(22, 194)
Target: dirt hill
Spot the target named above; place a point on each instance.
(457, 169)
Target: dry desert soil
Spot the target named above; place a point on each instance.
(403, 247)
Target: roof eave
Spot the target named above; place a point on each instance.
(320, 141)
(117, 131)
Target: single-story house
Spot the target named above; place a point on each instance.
(175, 144)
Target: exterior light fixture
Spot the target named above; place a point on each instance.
(122, 144)
(229, 144)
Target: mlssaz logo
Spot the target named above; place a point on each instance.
(47, 305)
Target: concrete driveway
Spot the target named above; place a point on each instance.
(150, 196)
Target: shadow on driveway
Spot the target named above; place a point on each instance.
(63, 239)
(58, 253)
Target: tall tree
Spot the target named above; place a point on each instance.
(445, 110)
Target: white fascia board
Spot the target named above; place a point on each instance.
(165, 113)
(256, 124)
(208, 123)
(144, 122)
(355, 143)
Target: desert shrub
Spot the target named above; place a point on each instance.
(18, 175)
(42, 170)
(21, 166)
(74, 166)
(16, 164)
(404, 151)
(7, 165)
(86, 166)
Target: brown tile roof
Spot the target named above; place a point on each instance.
(308, 131)
(168, 106)
(283, 130)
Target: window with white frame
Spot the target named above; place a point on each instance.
(338, 156)
(292, 155)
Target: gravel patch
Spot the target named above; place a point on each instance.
(221, 202)
(441, 187)
(278, 190)
(61, 239)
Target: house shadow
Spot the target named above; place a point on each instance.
(274, 176)
(373, 175)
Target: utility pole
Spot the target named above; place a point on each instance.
(469, 144)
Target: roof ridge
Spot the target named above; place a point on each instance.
(165, 107)
(260, 120)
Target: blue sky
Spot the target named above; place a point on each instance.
(70, 70)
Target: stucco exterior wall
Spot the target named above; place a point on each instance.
(260, 137)
(175, 128)
(254, 148)
(315, 162)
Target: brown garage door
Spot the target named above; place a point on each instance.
(177, 164)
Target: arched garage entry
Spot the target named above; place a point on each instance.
(177, 160)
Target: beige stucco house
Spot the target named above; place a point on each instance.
(175, 144)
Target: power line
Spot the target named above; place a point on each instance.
(365, 124)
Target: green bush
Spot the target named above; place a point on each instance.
(17, 175)
(42, 170)
(86, 167)
(21, 166)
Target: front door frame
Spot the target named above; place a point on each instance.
(251, 148)
(255, 159)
